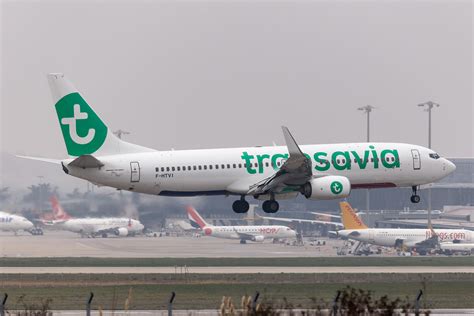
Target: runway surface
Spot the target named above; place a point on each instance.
(65, 244)
(232, 270)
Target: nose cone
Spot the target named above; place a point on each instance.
(448, 167)
(29, 225)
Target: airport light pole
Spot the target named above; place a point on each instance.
(121, 132)
(367, 109)
(428, 106)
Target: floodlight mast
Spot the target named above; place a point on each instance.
(367, 109)
(428, 106)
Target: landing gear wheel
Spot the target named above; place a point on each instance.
(240, 206)
(415, 199)
(270, 206)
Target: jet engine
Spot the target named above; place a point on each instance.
(327, 188)
(122, 231)
(258, 238)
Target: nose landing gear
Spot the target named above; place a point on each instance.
(415, 198)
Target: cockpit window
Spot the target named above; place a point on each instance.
(434, 156)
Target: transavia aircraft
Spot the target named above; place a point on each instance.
(91, 226)
(244, 233)
(418, 238)
(15, 223)
(318, 172)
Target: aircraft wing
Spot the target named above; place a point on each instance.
(244, 236)
(326, 214)
(294, 172)
(299, 220)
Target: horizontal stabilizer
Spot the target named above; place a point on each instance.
(48, 160)
(86, 161)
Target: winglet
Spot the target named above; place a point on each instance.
(293, 148)
(350, 220)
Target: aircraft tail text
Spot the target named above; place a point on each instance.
(350, 220)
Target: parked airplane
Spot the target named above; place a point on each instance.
(93, 226)
(318, 172)
(354, 228)
(452, 248)
(15, 223)
(244, 233)
(320, 218)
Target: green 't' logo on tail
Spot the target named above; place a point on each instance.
(83, 131)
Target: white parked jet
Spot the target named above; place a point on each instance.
(267, 173)
(244, 233)
(355, 229)
(91, 226)
(15, 223)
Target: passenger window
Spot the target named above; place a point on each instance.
(256, 165)
(228, 166)
(266, 164)
(167, 168)
(205, 167)
(194, 167)
(199, 167)
(217, 166)
(179, 168)
(210, 167)
(234, 166)
(173, 169)
(223, 166)
(189, 168)
(157, 169)
(240, 165)
(162, 169)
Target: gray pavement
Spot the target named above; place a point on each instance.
(65, 244)
(238, 270)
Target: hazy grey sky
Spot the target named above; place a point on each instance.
(204, 74)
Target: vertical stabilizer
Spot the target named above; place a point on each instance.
(83, 130)
(195, 219)
(350, 220)
(58, 212)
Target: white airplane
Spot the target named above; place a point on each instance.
(244, 233)
(318, 172)
(451, 248)
(354, 228)
(15, 223)
(320, 218)
(93, 226)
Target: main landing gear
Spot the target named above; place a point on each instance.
(270, 206)
(415, 198)
(241, 206)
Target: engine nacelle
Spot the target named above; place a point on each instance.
(122, 231)
(327, 188)
(258, 238)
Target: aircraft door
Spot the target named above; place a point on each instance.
(134, 171)
(416, 159)
(371, 237)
